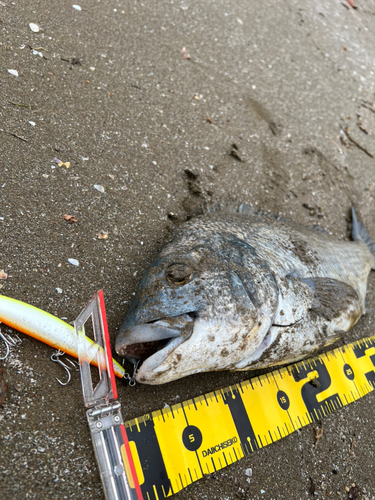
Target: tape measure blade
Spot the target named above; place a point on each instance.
(178, 445)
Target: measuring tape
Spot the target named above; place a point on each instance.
(173, 447)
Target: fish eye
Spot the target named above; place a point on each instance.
(179, 274)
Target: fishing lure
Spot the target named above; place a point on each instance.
(50, 330)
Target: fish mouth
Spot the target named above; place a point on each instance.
(154, 340)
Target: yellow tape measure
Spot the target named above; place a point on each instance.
(176, 446)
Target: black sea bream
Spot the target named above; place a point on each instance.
(238, 292)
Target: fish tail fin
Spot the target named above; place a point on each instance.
(359, 233)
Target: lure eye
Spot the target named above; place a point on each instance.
(179, 274)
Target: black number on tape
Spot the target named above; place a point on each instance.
(348, 372)
(283, 400)
(360, 350)
(309, 392)
(192, 438)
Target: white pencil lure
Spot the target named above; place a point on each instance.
(50, 330)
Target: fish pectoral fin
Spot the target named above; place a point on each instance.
(332, 298)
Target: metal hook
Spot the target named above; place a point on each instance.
(75, 366)
(9, 342)
(17, 341)
(6, 345)
(127, 376)
(12, 342)
(55, 357)
(135, 369)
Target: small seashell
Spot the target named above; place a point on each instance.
(74, 262)
(34, 27)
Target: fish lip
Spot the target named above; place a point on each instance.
(130, 337)
(147, 372)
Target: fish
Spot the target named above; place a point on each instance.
(244, 291)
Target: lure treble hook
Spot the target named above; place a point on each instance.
(6, 345)
(56, 358)
(9, 342)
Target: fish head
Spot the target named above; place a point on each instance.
(199, 307)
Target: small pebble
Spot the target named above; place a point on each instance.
(77, 7)
(34, 27)
(248, 472)
(58, 290)
(74, 262)
(32, 123)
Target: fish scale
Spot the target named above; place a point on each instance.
(178, 445)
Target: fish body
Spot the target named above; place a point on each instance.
(240, 292)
